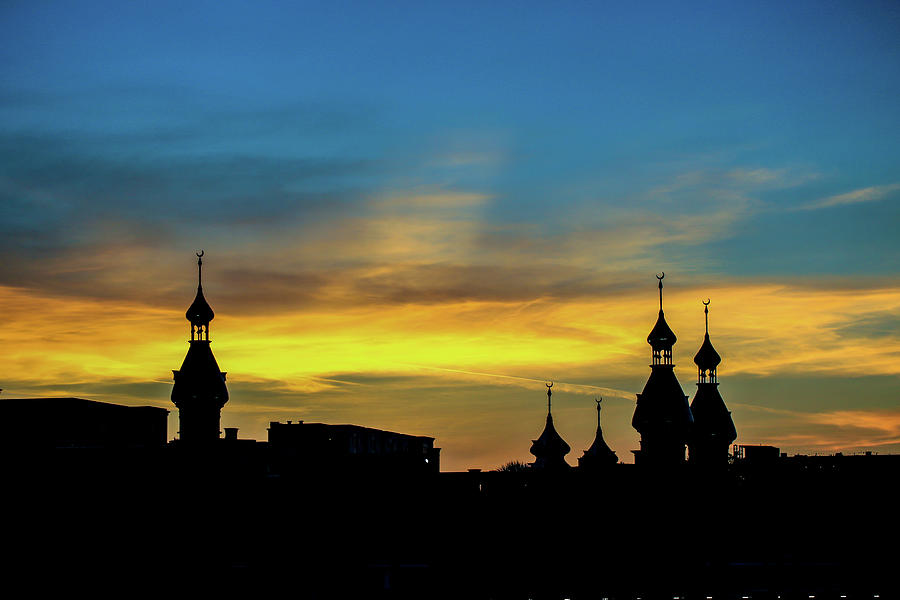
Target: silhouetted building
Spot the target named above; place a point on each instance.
(662, 415)
(50, 423)
(199, 391)
(599, 455)
(713, 429)
(757, 454)
(549, 449)
(320, 447)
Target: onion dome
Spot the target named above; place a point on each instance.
(661, 336)
(707, 359)
(550, 443)
(549, 449)
(199, 313)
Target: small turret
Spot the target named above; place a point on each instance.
(599, 455)
(550, 449)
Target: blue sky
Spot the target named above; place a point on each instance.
(525, 151)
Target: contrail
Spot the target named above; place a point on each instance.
(579, 388)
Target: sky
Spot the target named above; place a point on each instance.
(414, 214)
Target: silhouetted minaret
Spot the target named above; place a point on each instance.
(199, 391)
(662, 415)
(713, 428)
(550, 449)
(599, 455)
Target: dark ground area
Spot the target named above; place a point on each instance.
(130, 524)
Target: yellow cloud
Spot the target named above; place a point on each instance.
(63, 346)
(758, 328)
(886, 422)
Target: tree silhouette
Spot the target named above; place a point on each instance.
(514, 466)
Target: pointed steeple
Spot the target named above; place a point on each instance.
(599, 454)
(662, 414)
(550, 449)
(661, 338)
(199, 391)
(713, 429)
(200, 313)
(707, 359)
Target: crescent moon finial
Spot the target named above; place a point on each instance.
(660, 278)
(706, 314)
(199, 267)
(549, 385)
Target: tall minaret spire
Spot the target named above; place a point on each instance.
(662, 415)
(199, 391)
(713, 427)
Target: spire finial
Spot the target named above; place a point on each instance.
(549, 393)
(598, 401)
(706, 314)
(199, 313)
(660, 278)
(200, 267)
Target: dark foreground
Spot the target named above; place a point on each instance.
(131, 525)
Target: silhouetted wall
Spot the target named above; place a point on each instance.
(320, 446)
(44, 423)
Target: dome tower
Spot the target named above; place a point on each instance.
(713, 427)
(199, 391)
(662, 415)
(550, 449)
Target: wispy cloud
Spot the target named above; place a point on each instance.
(818, 431)
(866, 194)
(885, 422)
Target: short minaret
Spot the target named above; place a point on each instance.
(713, 427)
(599, 455)
(199, 391)
(662, 415)
(550, 449)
